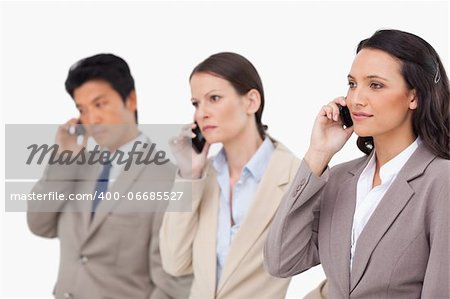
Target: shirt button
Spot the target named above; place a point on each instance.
(67, 295)
(83, 259)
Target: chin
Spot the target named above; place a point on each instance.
(363, 132)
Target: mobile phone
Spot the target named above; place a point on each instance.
(198, 142)
(79, 128)
(344, 113)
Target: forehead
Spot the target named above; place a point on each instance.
(91, 90)
(375, 62)
(204, 82)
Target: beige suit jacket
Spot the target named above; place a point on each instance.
(188, 240)
(403, 251)
(116, 255)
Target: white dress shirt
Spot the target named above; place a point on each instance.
(368, 198)
(116, 168)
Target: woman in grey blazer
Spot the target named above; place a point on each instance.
(378, 224)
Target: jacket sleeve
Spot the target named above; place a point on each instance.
(436, 281)
(165, 285)
(178, 230)
(292, 243)
(42, 216)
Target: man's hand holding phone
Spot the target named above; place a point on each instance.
(68, 136)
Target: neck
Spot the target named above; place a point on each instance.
(387, 147)
(240, 150)
(132, 134)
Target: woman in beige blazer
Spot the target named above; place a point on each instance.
(378, 224)
(235, 194)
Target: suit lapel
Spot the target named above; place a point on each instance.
(341, 227)
(87, 186)
(210, 206)
(260, 212)
(121, 185)
(392, 204)
(384, 215)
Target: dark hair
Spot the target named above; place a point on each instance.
(423, 71)
(105, 67)
(242, 75)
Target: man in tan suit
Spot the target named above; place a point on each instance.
(108, 249)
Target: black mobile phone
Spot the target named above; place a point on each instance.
(344, 113)
(79, 128)
(198, 142)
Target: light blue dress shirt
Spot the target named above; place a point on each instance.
(243, 195)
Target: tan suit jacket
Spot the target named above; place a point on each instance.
(188, 240)
(116, 255)
(402, 251)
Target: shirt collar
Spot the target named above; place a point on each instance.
(257, 164)
(127, 147)
(393, 166)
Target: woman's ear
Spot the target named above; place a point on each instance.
(254, 101)
(412, 99)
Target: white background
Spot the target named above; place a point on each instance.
(302, 50)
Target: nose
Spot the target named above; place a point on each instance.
(92, 117)
(202, 112)
(356, 98)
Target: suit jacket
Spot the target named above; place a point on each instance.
(402, 251)
(188, 240)
(116, 254)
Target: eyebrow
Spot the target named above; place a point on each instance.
(369, 77)
(206, 94)
(96, 99)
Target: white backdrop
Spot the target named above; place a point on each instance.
(302, 50)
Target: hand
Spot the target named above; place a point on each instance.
(190, 163)
(327, 137)
(66, 140)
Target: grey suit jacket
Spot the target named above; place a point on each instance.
(403, 251)
(115, 255)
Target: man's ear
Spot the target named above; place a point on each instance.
(254, 101)
(131, 103)
(413, 103)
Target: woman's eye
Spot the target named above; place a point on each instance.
(376, 85)
(215, 98)
(351, 84)
(195, 104)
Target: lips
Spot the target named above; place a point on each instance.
(206, 128)
(360, 115)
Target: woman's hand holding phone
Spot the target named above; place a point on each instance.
(328, 136)
(190, 162)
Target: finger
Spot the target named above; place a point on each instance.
(327, 111)
(72, 121)
(85, 139)
(335, 109)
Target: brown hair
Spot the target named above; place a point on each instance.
(423, 71)
(241, 74)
